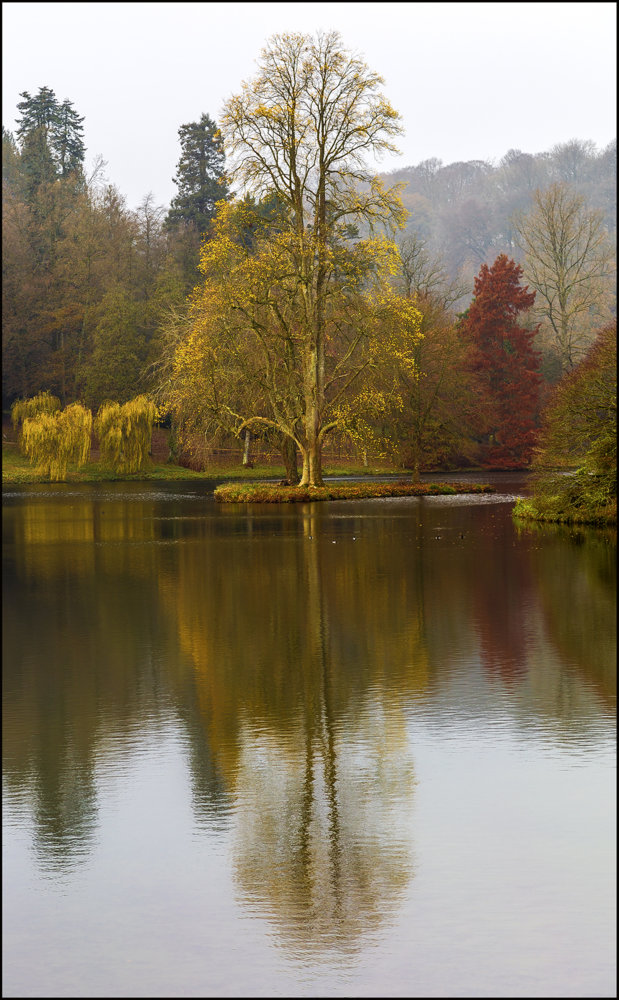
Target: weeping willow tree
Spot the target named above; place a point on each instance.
(125, 433)
(23, 409)
(53, 439)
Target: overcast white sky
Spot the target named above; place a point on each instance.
(471, 80)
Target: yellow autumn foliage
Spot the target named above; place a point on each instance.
(44, 402)
(53, 440)
(125, 433)
(281, 333)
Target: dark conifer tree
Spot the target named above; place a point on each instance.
(40, 111)
(505, 363)
(200, 176)
(51, 137)
(67, 139)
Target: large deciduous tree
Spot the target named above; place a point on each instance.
(125, 433)
(52, 438)
(243, 360)
(570, 264)
(504, 362)
(299, 132)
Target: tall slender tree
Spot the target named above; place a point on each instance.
(50, 135)
(301, 129)
(67, 139)
(505, 363)
(40, 111)
(200, 175)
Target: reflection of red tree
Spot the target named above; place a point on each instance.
(500, 608)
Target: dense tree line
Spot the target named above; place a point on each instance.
(87, 282)
(303, 321)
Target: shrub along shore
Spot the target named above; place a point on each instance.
(557, 509)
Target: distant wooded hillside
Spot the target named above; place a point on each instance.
(463, 211)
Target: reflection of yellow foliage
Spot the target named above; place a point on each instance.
(86, 521)
(217, 710)
(56, 523)
(61, 537)
(322, 842)
(260, 625)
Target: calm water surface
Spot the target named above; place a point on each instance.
(342, 749)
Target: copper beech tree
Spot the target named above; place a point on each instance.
(505, 364)
(288, 321)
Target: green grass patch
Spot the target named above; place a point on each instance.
(268, 493)
(17, 470)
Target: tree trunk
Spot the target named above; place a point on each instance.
(289, 455)
(415, 474)
(305, 473)
(315, 466)
(246, 462)
(312, 465)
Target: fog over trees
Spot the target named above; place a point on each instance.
(465, 211)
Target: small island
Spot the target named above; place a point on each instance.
(271, 493)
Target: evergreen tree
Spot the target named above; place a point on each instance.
(40, 111)
(37, 162)
(67, 139)
(505, 364)
(51, 137)
(114, 366)
(199, 176)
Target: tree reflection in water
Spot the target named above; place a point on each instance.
(320, 839)
(288, 665)
(309, 742)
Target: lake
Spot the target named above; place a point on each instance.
(356, 749)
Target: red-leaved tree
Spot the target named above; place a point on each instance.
(505, 364)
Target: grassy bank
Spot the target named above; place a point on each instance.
(574, 497)
(554, 510)
(267, 493)
(17, 470)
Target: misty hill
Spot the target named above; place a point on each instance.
(462, 211)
